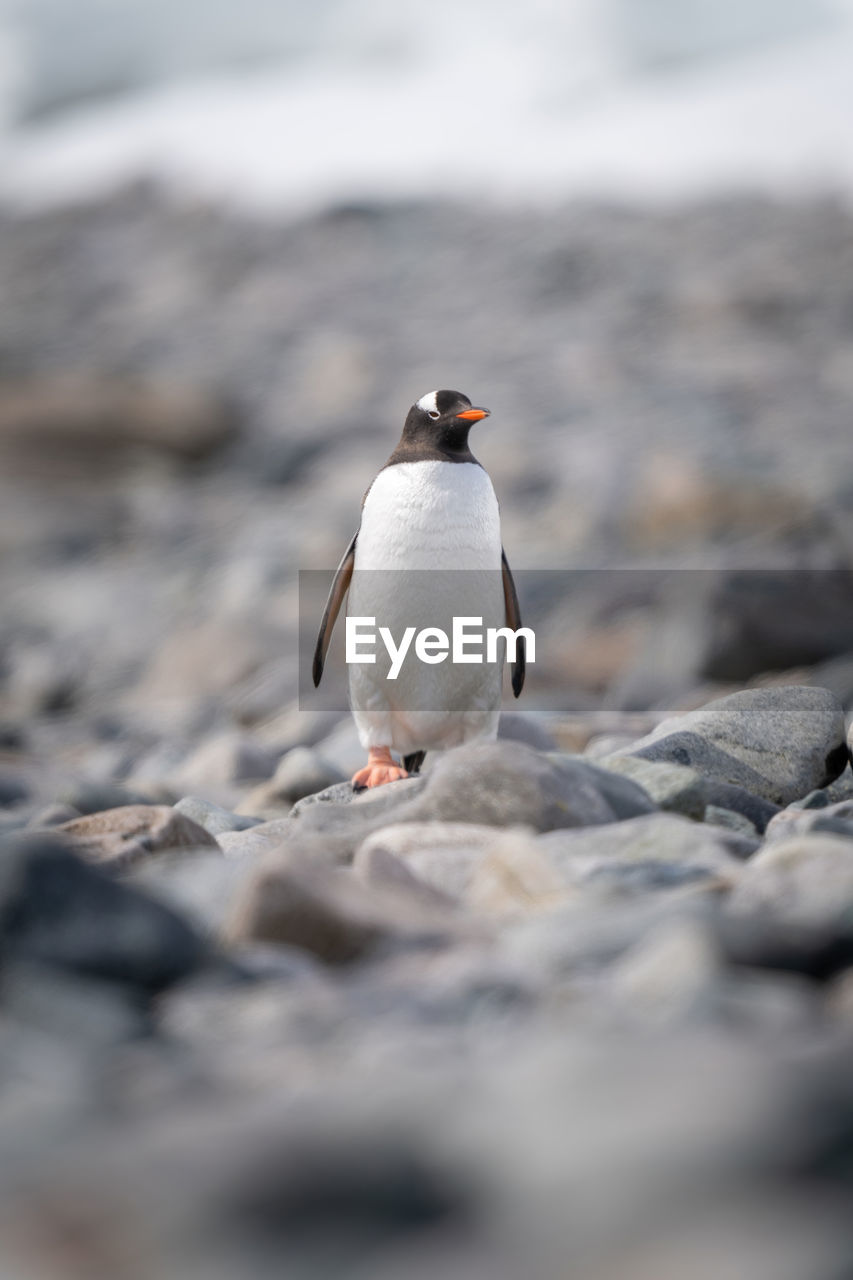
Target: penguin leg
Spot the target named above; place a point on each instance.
(412, 763)
(380, 768)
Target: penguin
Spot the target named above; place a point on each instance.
(430, 512)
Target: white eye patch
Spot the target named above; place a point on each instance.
(429, 405)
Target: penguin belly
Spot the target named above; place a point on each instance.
(428, 550)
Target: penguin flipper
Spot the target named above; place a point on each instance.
(513, 620)
(339, 588)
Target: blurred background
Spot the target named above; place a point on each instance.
(237, 241)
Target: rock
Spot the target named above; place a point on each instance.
(81, 422)
(61, 913)
(716, 816)
(804, 880)
(605, 744)
(93, 797)
(657, 844)
(672, 787)
(334, 822)
(13, 789)
(776, 743)
(443, 855)
(212, 817)
(839, 999)
(649, 853)
(227, 758)
(498, 784)
(119, 837)
(200, 884)
(342, 748)
(328, 912)
(575, 733)
(671, 973)
(296, 726)
(52, 815)
(822, 797)
(831, 819)
(504, 784)
(725, 795)
(513, 727)
(92, 1014)
(379, 869)
(301, 772)
(516, 876)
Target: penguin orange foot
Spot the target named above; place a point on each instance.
(380, 768)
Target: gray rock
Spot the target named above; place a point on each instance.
(831, 819)
(82, 1013)
(806, 880)
(443, 855)
(61, 913)
(341, 795)
(658, 838)
(605, 744)
(725, 795)
(840, 789)
(513, 727)
(506, 784)
(670, 974)
(379, 869)
(13, 789)
(328, 912)
(301, 772)
(93, 797)
(648, 853)
(120, 837)
(672, 787)
(212, 817)
(225, 759)
(52, 815)
(717, 816)
(200, 884)
(498, 784)
(777, 743)
(342, 748)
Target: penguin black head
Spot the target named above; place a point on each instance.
(437, 427)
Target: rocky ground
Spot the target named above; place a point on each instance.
(578, 1002)
(534, 1012)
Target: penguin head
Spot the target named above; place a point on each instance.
(443, 418)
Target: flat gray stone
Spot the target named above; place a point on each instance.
(777, 743)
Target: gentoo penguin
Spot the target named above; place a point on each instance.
(430, 513)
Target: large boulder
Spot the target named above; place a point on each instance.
(777, 743)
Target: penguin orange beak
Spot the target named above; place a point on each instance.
(473, 415)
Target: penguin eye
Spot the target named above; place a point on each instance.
(434, 414)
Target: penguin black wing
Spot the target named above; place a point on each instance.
(340, 586)
(513, 620)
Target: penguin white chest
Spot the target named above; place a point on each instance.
(430, 515)
(428, 549)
